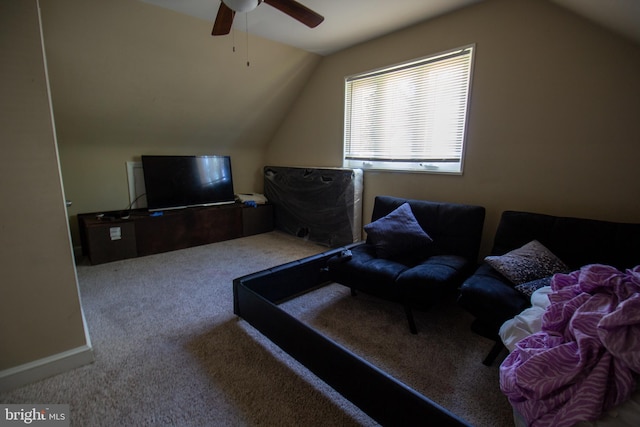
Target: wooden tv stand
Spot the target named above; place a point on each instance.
(108, 237)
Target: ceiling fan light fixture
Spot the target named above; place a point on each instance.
(241, 6)
(228, 9)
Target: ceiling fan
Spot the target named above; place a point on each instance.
(228, 9)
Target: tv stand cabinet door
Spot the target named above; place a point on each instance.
(256, 220)
(105, 240)
(186, 228)
(215, 224)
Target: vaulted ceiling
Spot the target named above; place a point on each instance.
(351, 22)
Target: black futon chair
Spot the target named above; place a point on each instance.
(415, 250)
(493, 298)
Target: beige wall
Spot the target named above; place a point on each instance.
(128, 78)
(553, 124)
(40, 313)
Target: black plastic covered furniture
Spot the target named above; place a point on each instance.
(414, 275)
(493, 299)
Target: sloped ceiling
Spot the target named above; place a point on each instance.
(351, 22)
(140, 74)
(620, 16)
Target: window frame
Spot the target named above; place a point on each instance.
(442, 166)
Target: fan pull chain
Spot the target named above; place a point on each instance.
(233, 40)
(246, 18)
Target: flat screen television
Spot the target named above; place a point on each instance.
(174, 182)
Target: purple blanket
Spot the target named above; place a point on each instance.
(586, 358)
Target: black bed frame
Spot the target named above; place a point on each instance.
(382, 397)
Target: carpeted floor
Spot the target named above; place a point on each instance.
(170, 351)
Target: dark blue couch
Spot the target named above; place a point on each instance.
(493, 299)
(418, 278)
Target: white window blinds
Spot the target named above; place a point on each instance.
(410, 116)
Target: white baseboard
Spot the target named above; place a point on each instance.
(43, 368)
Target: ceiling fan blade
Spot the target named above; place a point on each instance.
(224, 20)
(297, 11)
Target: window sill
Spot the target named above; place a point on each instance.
(453, 168)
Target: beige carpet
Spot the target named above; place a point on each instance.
(170, 351)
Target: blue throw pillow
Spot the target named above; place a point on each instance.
(397, 234)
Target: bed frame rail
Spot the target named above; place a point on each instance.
(382, 397)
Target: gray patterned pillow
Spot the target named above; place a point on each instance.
(530, 262)
(530, 287)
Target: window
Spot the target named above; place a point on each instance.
(409, 116)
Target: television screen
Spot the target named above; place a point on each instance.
(174, 182)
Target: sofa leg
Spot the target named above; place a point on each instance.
(412, 323)
(495, 351)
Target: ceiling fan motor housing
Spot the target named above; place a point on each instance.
(228, 9)
(242, 6)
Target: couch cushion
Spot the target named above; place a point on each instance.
(397, 234)
(435, 272)
(530, 262)
(488, 296)
(424, 283)
(365, 271)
